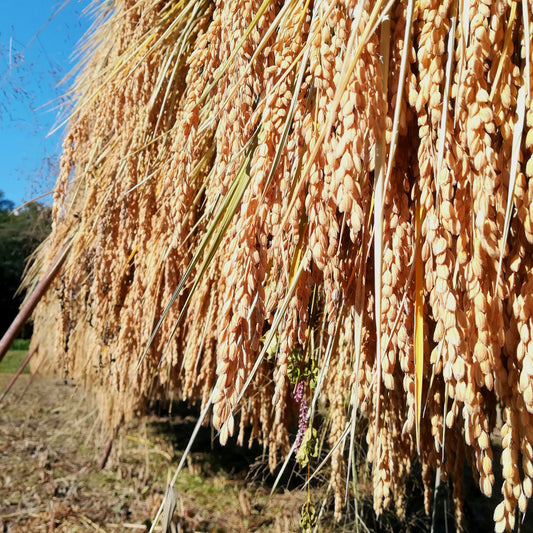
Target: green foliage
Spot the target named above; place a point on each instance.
(5, 206)
(308, 518)
(308, 448)
(21, 345)
(302, 368)
(21, 231)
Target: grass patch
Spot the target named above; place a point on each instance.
(12, 361)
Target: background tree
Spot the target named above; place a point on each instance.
(21, 231)
(5, 206)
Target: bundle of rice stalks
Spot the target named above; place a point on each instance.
(331, 198)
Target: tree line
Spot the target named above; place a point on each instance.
(21, 231)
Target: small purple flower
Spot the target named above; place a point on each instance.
(303, 415)
(299, 392)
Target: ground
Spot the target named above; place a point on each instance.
(51, 447)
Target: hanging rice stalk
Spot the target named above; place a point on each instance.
(332, 199)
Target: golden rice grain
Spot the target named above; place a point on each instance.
(258, 162)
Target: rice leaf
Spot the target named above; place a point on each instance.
(513, 170)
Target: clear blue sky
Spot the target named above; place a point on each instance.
(36, 53)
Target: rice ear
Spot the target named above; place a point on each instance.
(270, 195)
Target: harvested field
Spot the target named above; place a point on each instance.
(51, 447)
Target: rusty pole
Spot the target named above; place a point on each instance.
(29, 305)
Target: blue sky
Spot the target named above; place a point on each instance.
(37, 43)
